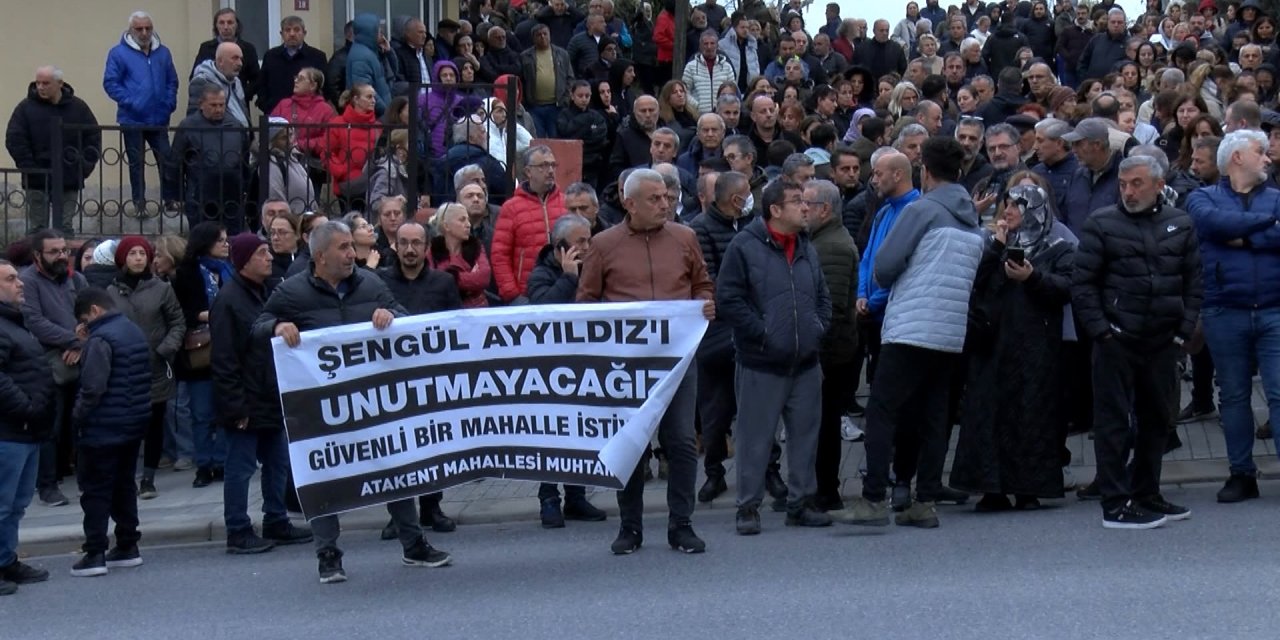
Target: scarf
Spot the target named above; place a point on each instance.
(215, 272)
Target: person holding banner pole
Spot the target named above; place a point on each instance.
(555, 281)
(332, 294)
(648, 257)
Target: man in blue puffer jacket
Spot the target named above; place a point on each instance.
(1238, 224)
(772, 290)
(141, 79)
(364, 61)
(110, 415)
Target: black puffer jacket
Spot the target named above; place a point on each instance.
(26, 382)
(153, 306)
(1137, 276)
(310, 303)
(630, 149)
(1041, 37)
(589, 126)
(780, 312)
(244, 377)
(433, 290)
(549, 284)
(28, 141)
(1001, 48)
(715, 231)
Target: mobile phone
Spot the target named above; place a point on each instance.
(563, 245)
(1016, 255)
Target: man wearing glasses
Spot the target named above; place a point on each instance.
(48, 311)
(524, 223)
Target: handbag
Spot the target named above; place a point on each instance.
(197, 348)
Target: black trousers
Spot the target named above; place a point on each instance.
(717, 405)
(1143, 384)
(153, 444)
(107, 491)
(838, 382)
(1202, 378)
(907, 419)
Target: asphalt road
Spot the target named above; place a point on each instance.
(1055, 573)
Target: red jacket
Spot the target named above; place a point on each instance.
(350, 146)
(523, 229)
(664, 35)
(472, 280)
(305, 110)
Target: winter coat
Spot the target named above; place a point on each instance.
(498, 136)
(243, 369)
(664, 35)
(839, 259)
(47, 307)
(881, 57)
(560, 25)
(1087, 194)
(250, 73)
(438, 109)
(1059, 178)
(388, 178)
(27, 139)
(904, 33)
(26, 382)
(1040, 37)
(779, 310)
(583, 50)
(113, 406)
(630, 148)
(1238, 277)
(549, 284)
(351, 146)
(310, 303)
(1071, 45)
(1137, 276)
(307, 110)
(364, 61)
(589, 126)
(432, 291)
(144, 86)
(1001, 49)
(279, 70)
(1011, 431)
(715, 231)
(694, 155)
(523, 228)
(100, 275)
(288, 181)
(154, 308)
(561, 66)
(206, 74)
(496, 63)
(732, 50)
(211, 159)
(1000, 107)
(928, 261)
(335, 79)
(703, 82)
(645, 49)
(469, 268)
(410, 68)
(1101, 55)
(877, 295)
(496, 178)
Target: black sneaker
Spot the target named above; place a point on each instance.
(219, 474)
(1263, 432)
(331, 566)
(1157, 504)
(1130, 516)
(204, 478)
(774, 484)
(422, 554)
(552, 516)
(993, 503)
(828, 503)
(1239, 488)
(712, 488)
(1194, 412)
(1089, 491)
(627, 542)
(92, 564)
(247, 543)
(147, 489)
(19, 573)
(855, 410)
(287, 533)
(390, 532)
(807, 516)
(435, 518)
(52, 497)
(123, 558)
(582, 510)
(7, 588)
(748, 521)
(684, 540)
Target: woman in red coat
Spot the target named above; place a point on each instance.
(664, 35)
(455, 251)
(351, 146)
(307, 107)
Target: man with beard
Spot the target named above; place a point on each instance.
(765, 129)
(954, 70)
(970, 133)
(846, 173)
(48, 310)
(1039, 31)
(1003, 150)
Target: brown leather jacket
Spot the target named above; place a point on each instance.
(625, 265)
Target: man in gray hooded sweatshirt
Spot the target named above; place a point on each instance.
(929, 259)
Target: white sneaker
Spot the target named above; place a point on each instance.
(849, 430)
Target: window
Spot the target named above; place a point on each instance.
(259, 22)
(431, 11)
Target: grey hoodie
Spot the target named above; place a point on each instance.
(929, 261)
(207, 73)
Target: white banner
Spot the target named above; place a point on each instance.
(558, 393)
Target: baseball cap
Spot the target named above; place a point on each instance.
(1089, 129)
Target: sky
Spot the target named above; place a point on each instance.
(895, 10)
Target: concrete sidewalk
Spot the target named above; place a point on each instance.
(182, 514)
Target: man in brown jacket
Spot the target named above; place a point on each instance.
(647, 257)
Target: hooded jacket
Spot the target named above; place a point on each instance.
(498, 135)
(437, 107)
(1041, 36)
(144, 86)
(779, 310)
(1001, 49)
(928, 261)
(28, 141)
(250, 74)
(307, 110)
(154, 308)
(523, 228)
(364, 62)
(206, 73)
(26, 382)
(1238, 277)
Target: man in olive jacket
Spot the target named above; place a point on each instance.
(839, 259)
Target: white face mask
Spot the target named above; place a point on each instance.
(748, 204)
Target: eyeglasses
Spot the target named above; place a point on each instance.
(544, 166)
(813, 203)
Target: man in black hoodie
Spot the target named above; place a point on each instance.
(1008, 98)
(1001, 48)
(881, 55)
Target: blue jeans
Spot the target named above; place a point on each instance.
(1241, 339)
(210, 441)
(177, 429)
(544, 118)
(158, 140)
(18, 464)
(244, 450)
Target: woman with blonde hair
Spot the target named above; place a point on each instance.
(677, 110)
(454, 250)
(903, 99)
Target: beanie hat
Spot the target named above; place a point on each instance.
(1058, 96)
(275, 124)
(105, 253)
(127, 244)
(242, 247)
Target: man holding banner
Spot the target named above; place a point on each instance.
(333, 294)
(649, 258)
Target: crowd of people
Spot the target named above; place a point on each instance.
(1020, 259)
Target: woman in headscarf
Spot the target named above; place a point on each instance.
(1011, 434)
(437, 107)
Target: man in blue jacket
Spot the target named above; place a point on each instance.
(364, 61)
(775, 296)
(141, 79)
(1237, 222)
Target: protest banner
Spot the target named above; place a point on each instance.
(557, 393)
